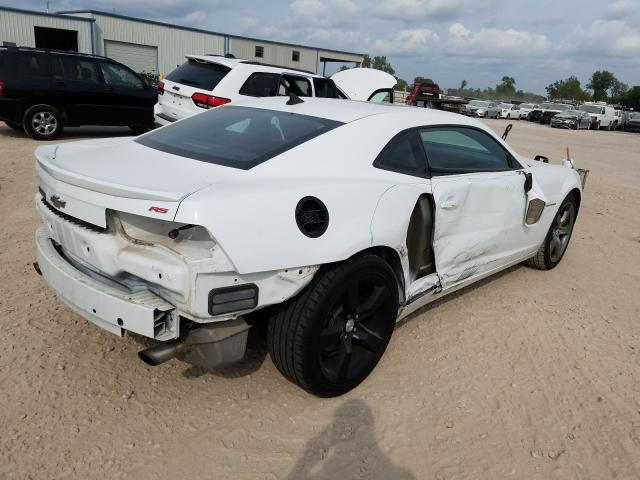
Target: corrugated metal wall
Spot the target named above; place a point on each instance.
(140, 58)
(173, 44)
(18, 27)
(275, 53)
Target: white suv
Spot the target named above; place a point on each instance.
(206, 81)
(602, 116)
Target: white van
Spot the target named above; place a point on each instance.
(602, 116)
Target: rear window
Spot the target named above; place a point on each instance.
(197, 74)
(238, 137)
(31, 64)
(325, 88)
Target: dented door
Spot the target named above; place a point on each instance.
(479, 223)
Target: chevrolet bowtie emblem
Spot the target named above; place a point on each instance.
(57, 202)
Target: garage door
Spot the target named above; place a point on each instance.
(140, 58)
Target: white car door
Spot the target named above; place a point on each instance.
(480, 197)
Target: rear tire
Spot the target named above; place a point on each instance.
(557, 240)
(331, 335)
(14, 126)
(43, 122)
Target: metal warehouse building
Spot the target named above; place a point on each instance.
(150, 46)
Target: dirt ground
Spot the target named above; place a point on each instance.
(528, 375)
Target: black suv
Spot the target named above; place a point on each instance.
(41, 91)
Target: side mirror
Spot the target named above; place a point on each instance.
(528, 182)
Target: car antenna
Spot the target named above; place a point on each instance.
(506, 132)
(294, 99)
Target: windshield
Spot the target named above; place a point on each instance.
(197, 74)
(478, 103)
(238, 137)
(591, 108)
(569, 114)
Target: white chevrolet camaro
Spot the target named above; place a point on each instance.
(332, 218)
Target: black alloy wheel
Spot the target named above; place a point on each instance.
(331, 336)
(557, 240)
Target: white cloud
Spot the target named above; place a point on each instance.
(418, 9)
(622, 9)
(493, 42)
(248, 22)
(607, 38)
(414, 40)
(319, 10)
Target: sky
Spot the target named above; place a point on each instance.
(536, 42)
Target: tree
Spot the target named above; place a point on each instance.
(381, 63)
(568, 88)
(506, 88)
(401, 85)
(463, 84)
(601, 81)
(343, 68)
(618, 91)
(631, 98)
(377, 62)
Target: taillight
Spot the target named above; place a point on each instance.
(1, 88)
(203, 100)
(160, 88)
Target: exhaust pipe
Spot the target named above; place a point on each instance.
(161, 353)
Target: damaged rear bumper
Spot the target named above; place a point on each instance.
(107, 306)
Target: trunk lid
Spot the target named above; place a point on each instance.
(84, 179)
(362, 83)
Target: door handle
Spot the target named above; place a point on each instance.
(449, 204)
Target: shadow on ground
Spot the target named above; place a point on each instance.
(71, 133)
(347, 448)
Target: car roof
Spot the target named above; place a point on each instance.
(236, 62)
(347, 111)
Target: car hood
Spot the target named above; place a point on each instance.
(361, 83)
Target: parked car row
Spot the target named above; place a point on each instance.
(558, 115)
(42, 91)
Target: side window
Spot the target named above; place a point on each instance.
(118, 76)
(403, 154)
(33, 64)
(380, 96)
(298, 85)
(261, 84)
(452, 150)
(325, 88)
(72, 68)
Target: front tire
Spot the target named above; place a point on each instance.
(557, 240)
(43, 122)
(331, 336)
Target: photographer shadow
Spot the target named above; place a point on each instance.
(347, 448)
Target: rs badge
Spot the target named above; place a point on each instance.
(158, 209)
